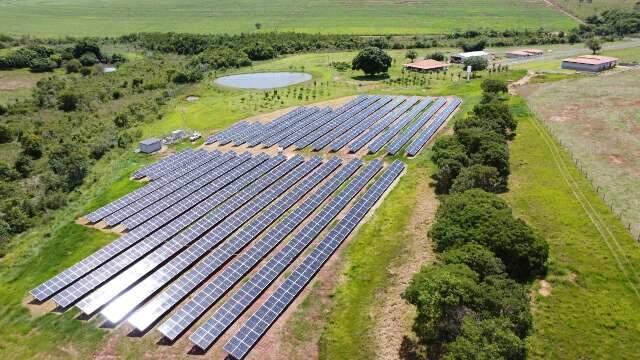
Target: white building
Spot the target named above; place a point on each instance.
(461, 57)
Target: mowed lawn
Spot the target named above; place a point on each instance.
(598, 120)
(114, 17)
(589, 309)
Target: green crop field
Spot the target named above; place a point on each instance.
(113, 17)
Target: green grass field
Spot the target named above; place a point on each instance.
(114, 17)
(591, 309)
(584, 9)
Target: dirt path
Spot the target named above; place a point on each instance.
(513, 87)
(561, 9)
(394, 315)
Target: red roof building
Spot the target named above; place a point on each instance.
(592, 63)
(426, 65)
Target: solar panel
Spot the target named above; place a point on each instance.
(169, 221)
(150, 168)
(253, 329)
(178, 164)
(156, 307)
(294, 128)
(284, 126)
(395, 128)
(228, 132)
(265, 127)
(108, 209)
(428, 133)
(228, 312)
(340, 129)
(330, 125)
(356, 130)
(144, 206)
(404, 138)
(378, 127)
(223, 281)
(247, 205)
(141, 249)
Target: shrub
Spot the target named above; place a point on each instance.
(86, 47)
(88, 59)
(68, 101)
(70, 162)
(6, 136)
(411, 54)
(486, 340)
(477, 257)
(85, 71)
(24, 165)
(478, 177)
(473, 45)
(39, 65)
(72, 66)
(341, 65)
(222, 58)
(260, 51)
(477, 63)
(32, 145)
(372, 61)
(494, 86)
(7, 173)
(438, 56)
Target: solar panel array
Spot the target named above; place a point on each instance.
(251, 331)
(209, 219)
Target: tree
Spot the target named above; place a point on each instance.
(88, 59)
(70, 162)
(594, 44)
(72, 66)
(68, 101)
(24, 165)
(39, 65)
(494, 86)
(258, 26)
(372, 61)
(6, 135)
(32, 145)
(486, 340)
(438, 56)
(478, 177)
(477, 257)
(83, 47)
(411, 54)
(473, 45)
(477, 63)
(260, 51)
(484, 218)
(7, 173)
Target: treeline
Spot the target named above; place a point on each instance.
(611, 23)
(43, 58)
(474, 303)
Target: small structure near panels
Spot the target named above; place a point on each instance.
(426, 65)
(148, 146)
(524, 53)
(461, 57)
(591, 63)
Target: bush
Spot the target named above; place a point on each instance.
(222, 58)
(341, 65)
(484, 218)
(477, 63)
(6, 136)
(477, 257)
(17, 219)
(478, 177)
(7, 173)
(68, 101)
(85, 71)
(72, 66)
(494, 86)
(5, 231)
(260, 51)
(32, 145)
(24, 165)
(86, 47)
(486, 340)
(473, 45)
(88, 59)
(372, 61)
(411, 54)
(39, 65)
(70, 162)
(438, 56)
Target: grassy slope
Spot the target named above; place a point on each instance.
(584, 9)
(84, 17)
(592, 309)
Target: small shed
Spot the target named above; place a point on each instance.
(178, 134)
(148, 146)
(461, 57)
(426, 65)
(590, 63)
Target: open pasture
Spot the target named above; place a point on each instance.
(116, 17)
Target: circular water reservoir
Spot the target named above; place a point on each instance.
(266, 80)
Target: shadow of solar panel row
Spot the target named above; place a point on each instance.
(283, 126)
(255, 327)
(196, 179)
(333, 123)
(226, 314)
(226, 279)
(133, 297)
(413, 129)
(259, 128)
(360, 127)
(113, 206)
(167, 250)
(175, 218)
(148, 314)
(139, 174)
(341, 128)
(227, 133)
(382, 124)
(395, 128)
(176, 165)
(348, 108)
(415, 147)
(227, 185)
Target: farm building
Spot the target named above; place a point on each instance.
(426, 65)
(461, 57)
(150, 145)
(591, 63)
(524, 53)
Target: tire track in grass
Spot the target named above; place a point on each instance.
(606, 234)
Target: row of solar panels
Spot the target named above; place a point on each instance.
(250, 207)
(376, 121)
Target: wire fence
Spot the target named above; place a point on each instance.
(630, 225)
